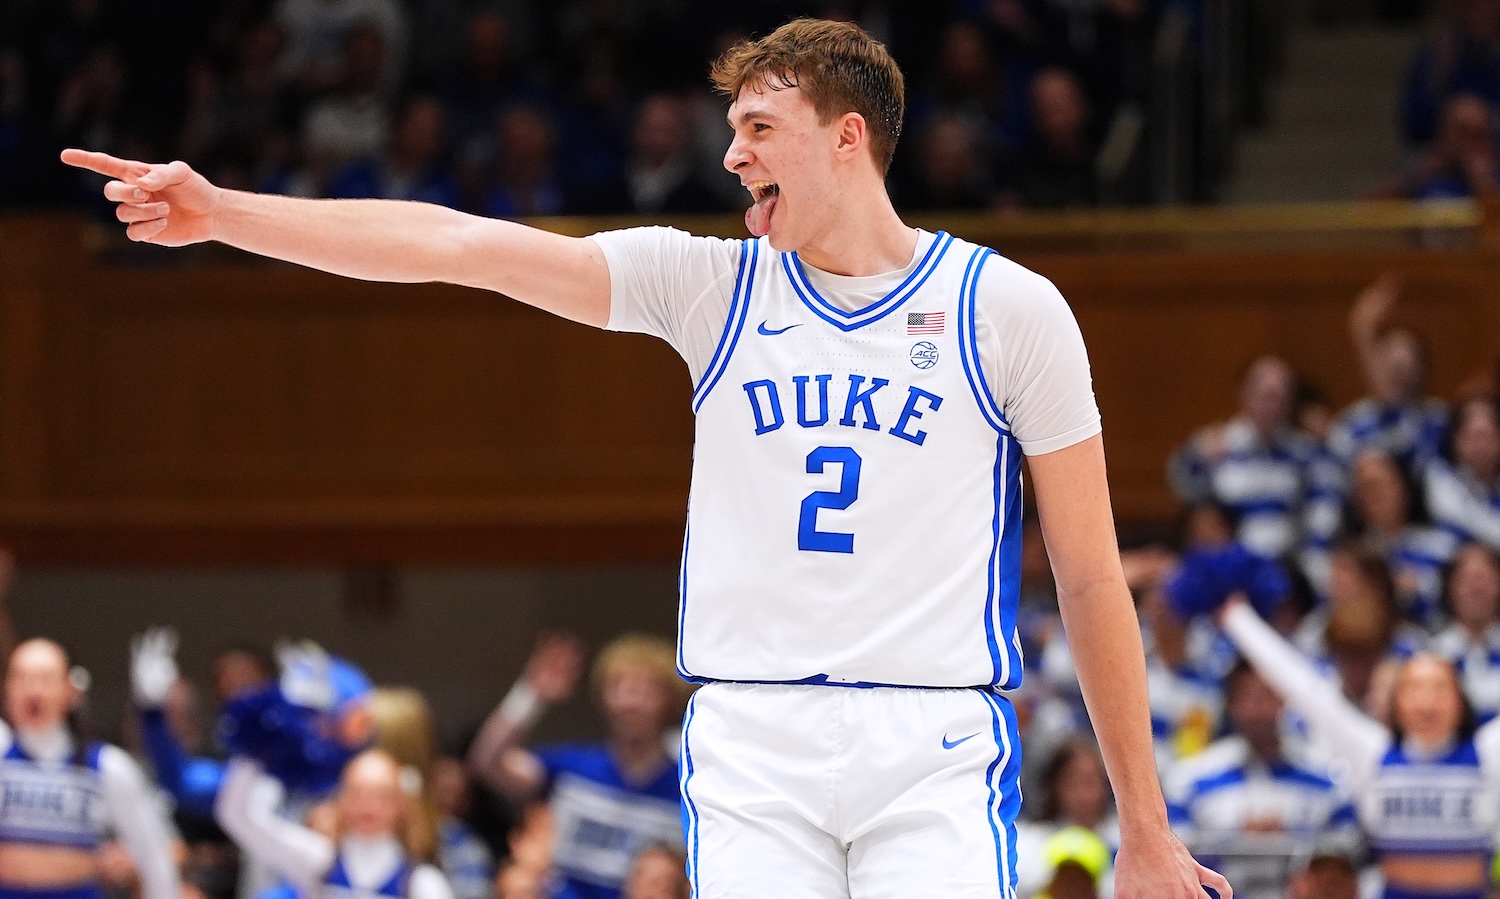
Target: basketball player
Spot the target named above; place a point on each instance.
(864, 393)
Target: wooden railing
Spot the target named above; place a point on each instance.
(199, 406)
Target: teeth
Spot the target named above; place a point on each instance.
(760, 187)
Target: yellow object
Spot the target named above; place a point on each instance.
(1078, 845)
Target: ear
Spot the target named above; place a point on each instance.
(851, 135)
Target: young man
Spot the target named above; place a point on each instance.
(864, 391)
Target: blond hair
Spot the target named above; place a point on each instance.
(404, 733)
(838, 66)
(653, 654)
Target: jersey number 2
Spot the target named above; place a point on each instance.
(809, 538)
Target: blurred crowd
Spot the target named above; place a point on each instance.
(1323, 650)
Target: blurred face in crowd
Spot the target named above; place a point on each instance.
(528, 144)
(1474, 587)
(419, 137)
(965, 57)
(450, 787)
(1380, 492)
(236, 672)
(38, 692)
(1476, 440)
(658, 874)
(1399, 368)
(1082, 790)
(488, 50)
(1266, 394)
(370, 801)
(1255, 710)
(364, 58)
(1060, 108)
(949, 158)
(1428, 704)
(660, 131)
(636, 702)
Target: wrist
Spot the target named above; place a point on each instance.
(523, 706)
(219, 203)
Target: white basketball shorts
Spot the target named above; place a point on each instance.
(822, 792)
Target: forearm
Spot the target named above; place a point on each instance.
(501, 732)
(408, 242)
(137, 818)
(246, 809)
(1110, 661)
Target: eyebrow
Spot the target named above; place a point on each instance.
(750, 115)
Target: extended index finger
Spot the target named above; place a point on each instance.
(105, 164)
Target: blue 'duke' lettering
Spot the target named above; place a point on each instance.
(860, 403)
(809, 538)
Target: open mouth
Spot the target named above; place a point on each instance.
(758, 216)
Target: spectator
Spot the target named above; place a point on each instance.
(488, 80)
(609, 801)
(1075, 794)
(320, 39)
(660, 175)
(1397, 417)
(461, 854)
(1463, 487)
(378, 840)
(1383, 515)
(1460, 161)
(404, 729)
(1077, 862)
(1359, 628)
(1327, 875)
(526, 181)
(1244, 803)
(1055, 167)
(50, 844)
(1275, 479)
(1472, 642)
(1463, 58)
(411, 168)
(986, 94)
(353, 121)
(659, 872)
(950, 171)
(1396, 772)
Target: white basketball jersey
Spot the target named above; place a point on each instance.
(855, 515)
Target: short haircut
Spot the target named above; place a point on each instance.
(649, 653)
(838, 65)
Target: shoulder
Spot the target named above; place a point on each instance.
(667, 242)
(1007, 289)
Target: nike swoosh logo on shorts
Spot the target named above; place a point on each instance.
(948, 745)
(770, 333)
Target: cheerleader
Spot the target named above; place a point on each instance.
(57, 792)
(1426, 788)
(375, 851)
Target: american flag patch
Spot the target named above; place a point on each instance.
(925, 323)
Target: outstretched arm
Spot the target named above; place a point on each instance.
(496, 758)
(373, 240)
(1073, 501)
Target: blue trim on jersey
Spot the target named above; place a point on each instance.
(1009, 553)
(872, 313)
(689, 808)
(1005, 794)
(682, 670)
(968, 342)
(739, 310)
(88, 891)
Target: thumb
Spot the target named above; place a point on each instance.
(164, 176)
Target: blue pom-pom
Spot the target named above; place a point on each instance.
(1205, 578)
(293, 742)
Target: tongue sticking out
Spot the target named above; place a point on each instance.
(758, 217)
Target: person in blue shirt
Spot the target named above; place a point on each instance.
(608, 800)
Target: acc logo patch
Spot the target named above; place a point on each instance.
(923, 355)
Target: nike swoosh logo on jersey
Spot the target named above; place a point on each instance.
(948, 745)
(770, 333)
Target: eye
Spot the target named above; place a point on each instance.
(761, 126)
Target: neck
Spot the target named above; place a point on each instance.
(50, 743)
(867, 237)
(638, 757)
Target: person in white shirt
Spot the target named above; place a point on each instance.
(851, 574)
(58, 793)
(375, 853)
(1463, 487)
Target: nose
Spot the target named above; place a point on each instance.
(736, 157)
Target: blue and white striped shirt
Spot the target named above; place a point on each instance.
(1462, 505)
(1412, 433)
